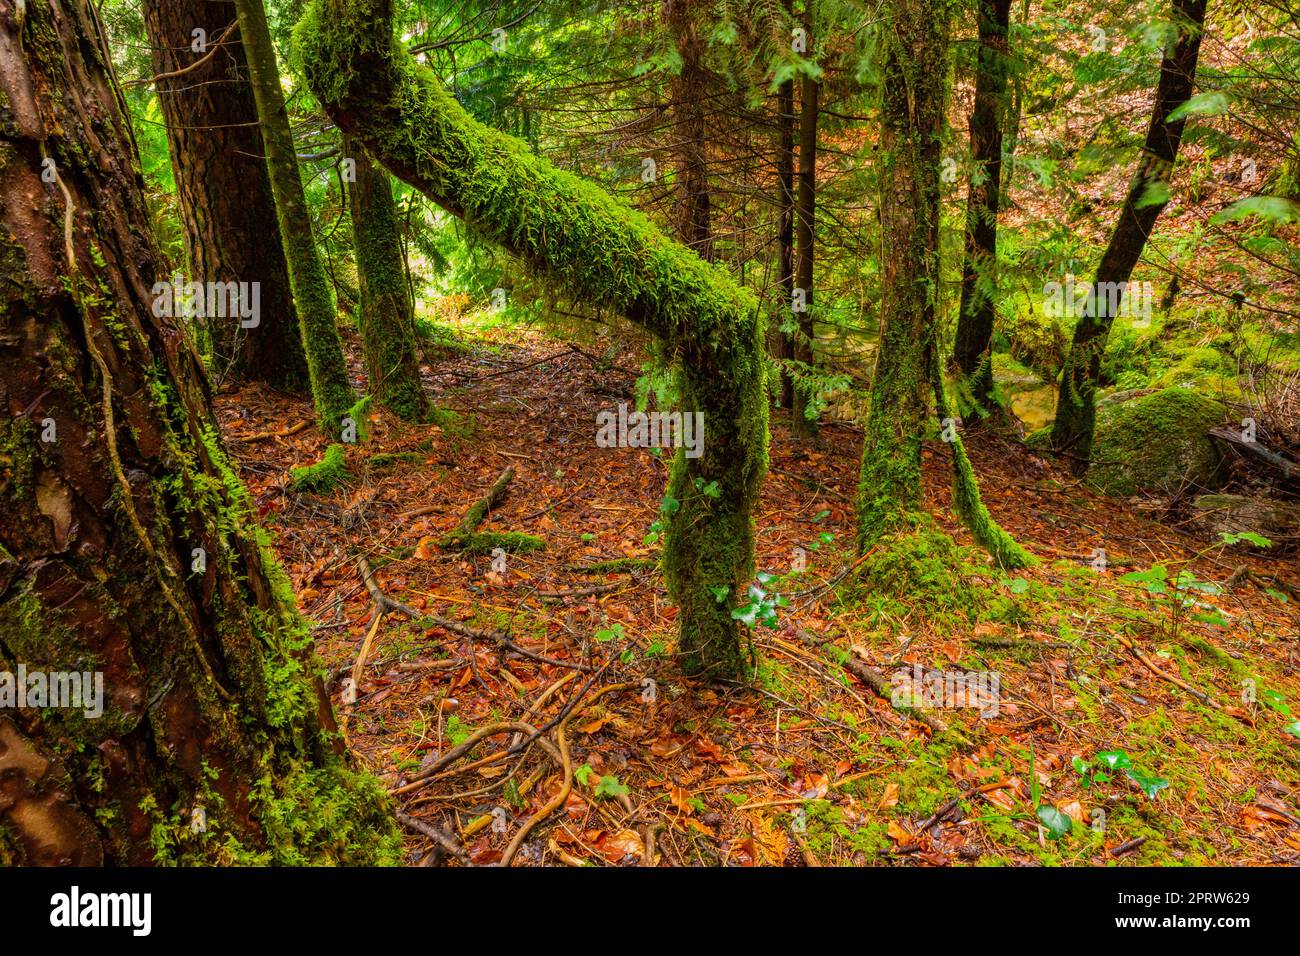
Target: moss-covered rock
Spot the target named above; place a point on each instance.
(1157, 443)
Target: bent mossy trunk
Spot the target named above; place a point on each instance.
(313, 297)
(384, 315)
(597, 248)
(128, 545)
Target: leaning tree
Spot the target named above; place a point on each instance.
(128, 546)
(578, 236)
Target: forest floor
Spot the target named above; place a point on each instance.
(807, 765)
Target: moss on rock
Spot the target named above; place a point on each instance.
(1156, 443)
(328, 473)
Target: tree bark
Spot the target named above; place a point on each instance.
(690, 90)
(317, 314)
(128, 546)
(783, 341)
(576, 235)
(384, 314)
(805, 252)
(911, 123)
(1072, 432)
(226, 203)
(979, 268)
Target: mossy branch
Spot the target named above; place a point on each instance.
(577, 236)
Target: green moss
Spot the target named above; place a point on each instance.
(485, 542)
(1156, 443)
(578, 237)
(327, 474)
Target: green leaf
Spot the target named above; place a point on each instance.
(1293, 728)
(1057, 823)
(609, 786)
(1213, 103)
(1150, 785)
(582, 774)
(1115, 759)
(1269, 208)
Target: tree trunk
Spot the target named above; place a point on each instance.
(783, 341)
(911, 122)
(128, 546)
(226, 204)
(805, 212)
(384, 313)
(689, 91)
(576, 235)
(1072, 432)
(979, 269)
(311, 288)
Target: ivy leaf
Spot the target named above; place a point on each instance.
(1150, 785)
(1057, 823)
(1115, 759)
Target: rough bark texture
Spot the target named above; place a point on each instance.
(979, 269)
(1075, 422)
(690, 90)
(384, 314)
(782, 341)
(805, 255)
(111, 475)
(317, 315)
(226, 203)
(578, 236)
(912, 109)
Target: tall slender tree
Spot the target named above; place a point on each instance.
(384, 313)
(317, 314)
(226, 204)
(979, 266)
(805, 254)
(129, 550)
(783, 341)
(690, 102)
(1148, 194)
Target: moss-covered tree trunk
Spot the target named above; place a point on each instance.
(384, 313)
(226, 203)
(913, 88)
(911, 119)
(979, 267)
(1148, 193)
(312, 294)
(806, 256)
(576, 235)
(127, 544)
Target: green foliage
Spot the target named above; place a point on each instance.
(325, 475)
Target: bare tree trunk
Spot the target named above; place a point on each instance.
(226, 203)
(1147, 196)
(782, 341)
(690, 90)
(979, 268)
(128, 545)
(805, 253)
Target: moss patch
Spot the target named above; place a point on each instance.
(1156, 443)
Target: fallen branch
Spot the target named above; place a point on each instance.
(440, 838)
(480, 509)
(1163, 675)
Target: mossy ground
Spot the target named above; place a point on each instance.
(728, 765)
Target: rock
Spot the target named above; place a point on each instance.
(1157, 443)
(1279, 521)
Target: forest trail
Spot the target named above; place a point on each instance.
(807, 765)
